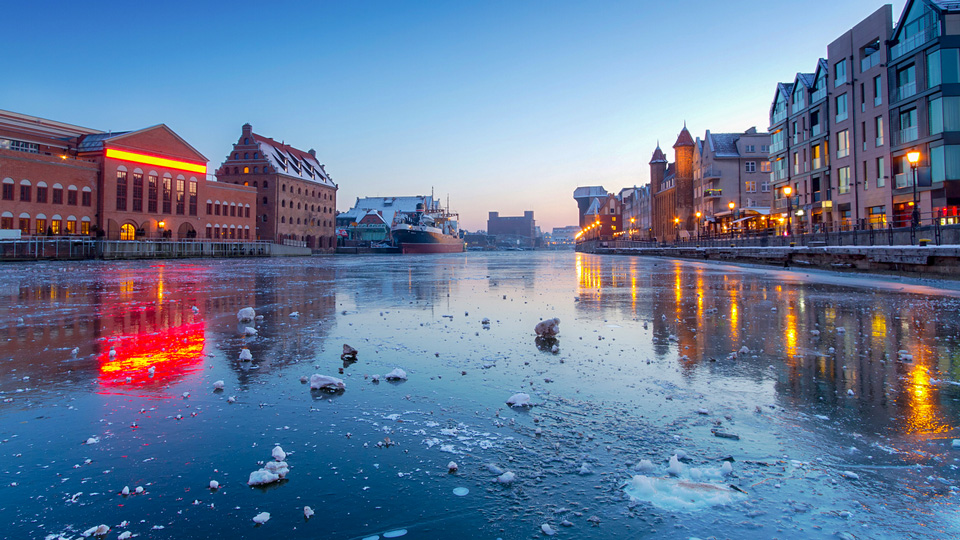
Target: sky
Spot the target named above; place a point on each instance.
(499, 106)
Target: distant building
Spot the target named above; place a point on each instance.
(732, 169)
(296, 198)
(564, 236)
(63, 180)
(515, 226)
(636, 212)
(584, 197)
(371, 229)
(387, 207)
(603, 219)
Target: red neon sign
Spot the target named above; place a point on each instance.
(174, 353)
(156, 160)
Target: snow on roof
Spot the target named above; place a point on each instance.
(386, 206)
(724, 144)
(594, 208)
(290, 161)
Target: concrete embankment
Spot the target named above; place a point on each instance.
(927, 261)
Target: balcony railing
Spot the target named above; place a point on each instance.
(712, 193)
(930, 32)
(870, 61)
(712, 173)
(904, 91)
(907, 135)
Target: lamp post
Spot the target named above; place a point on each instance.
(676, 224)
(698, 226)
(632, 230)
(914, 158)
(730, 205)
(787, 190)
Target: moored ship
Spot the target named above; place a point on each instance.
(427, 231)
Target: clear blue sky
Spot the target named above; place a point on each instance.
(502, 105)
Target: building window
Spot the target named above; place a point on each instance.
(41, 226)
(881, 179)
(137, 192)
(751, 186)
(841, 108)
(6, 222)
(751, 148)
(943, 67)
(906, 82)
(127, 232)
(765, 166)
(878, 126)
(246, 170)
(216, 208)
(84, 227)
(152, 194)
(843, 180)
(25, 192)
(283, 204)
(57, 195)
(8, 190)
(167, 194)
(209, 208)
(839, 73)
(843, 144)
(121, 190)
(233, 211)
(264, 200)
(71, 226)
(41, 193)
(246, 155)
(750, 166)
(944, 115)
(255, 171)
(265, 183)
(765, 186)
(944, 162)
(908, 126)
(878, 90)
(193, 197)
(181, 195)
(246, 211)
(236, 155)
(72, 196)
(87, 198)
(24, 223)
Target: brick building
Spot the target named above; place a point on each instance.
(296, 199)
(60, 179)
(671, 186)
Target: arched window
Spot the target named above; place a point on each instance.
(236, 170)
(127, 232)
(255, 155)
(265, 184)
(246, 140)
(264, 218)
(254, 182)
(283, 219)
(246, 170)
(246, 155)
(283, 187)
(236, 155)
(283, 204)
(256, 170)
(264, 200)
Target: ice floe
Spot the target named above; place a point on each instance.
(519, 399)
(326, 382)
(246, 314)
(396, 375)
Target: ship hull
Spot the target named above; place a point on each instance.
(413, 241)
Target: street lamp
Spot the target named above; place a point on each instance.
(676, 224)
(698, 226)
(787, 190)
(914, 158)
(730, 205)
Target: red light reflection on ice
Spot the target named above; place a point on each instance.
(174, 353)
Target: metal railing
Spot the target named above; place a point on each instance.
(34, 248)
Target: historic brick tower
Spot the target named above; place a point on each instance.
(684, 179)
(658, 166)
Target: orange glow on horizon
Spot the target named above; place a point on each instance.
(156, 160)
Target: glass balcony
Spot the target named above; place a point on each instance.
(712, 193)
(931, 31)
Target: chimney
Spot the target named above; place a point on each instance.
(312, 152)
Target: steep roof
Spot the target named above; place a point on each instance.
(372, 217)
(658, 156)
(806, 79)
(684, 139)
(594, 208)
(724, 145)
(291, 161)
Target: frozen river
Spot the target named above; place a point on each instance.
(683, 399)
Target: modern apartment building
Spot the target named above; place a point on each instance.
(858, 123)
(840, 136)
(924, 110)
(731, 181)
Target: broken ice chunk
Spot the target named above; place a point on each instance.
(249, 331)
(125, 491)
(99, 530)
(452, 467)
(675, 467)
(548, 328)
(645, 465)
(214, 484)
(278, 453)
(506, 478)
(396, 375)
(295, 314)
(261, 518)
(307, 512)
(850, 474)
(245, 354)
(519, 400)
(262, 477)
(278, 468)
(547, 529)
(218, 385)
(246, 314)
(349, 353)
(326, 382)
(585, 469)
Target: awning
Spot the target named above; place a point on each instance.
(760, 210)
(741, 220)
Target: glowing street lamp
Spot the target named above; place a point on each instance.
(787, 190)
(914, 158)
(698, 226)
